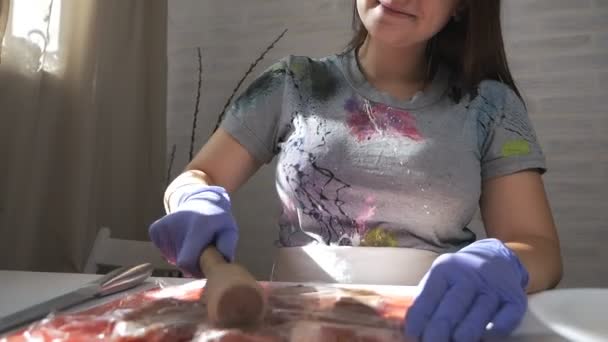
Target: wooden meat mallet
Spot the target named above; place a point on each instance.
(233, 296)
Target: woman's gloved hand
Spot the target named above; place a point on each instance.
(483, 283)
(201, 218)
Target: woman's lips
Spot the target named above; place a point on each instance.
(388, 7)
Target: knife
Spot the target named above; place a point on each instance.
(118, 280)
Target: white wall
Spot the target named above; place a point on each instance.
(558, 50)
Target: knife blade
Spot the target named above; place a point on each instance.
(116, 281)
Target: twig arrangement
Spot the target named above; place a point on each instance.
(247, 73)
(197, 104)
(228, 101)
(170, 166)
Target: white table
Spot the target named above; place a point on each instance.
(19, 290)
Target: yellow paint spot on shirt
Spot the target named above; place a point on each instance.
(518, 147)
(378, 237)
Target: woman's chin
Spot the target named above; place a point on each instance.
(390, 40)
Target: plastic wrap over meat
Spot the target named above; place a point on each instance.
(299, 313)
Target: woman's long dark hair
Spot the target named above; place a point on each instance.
(471, 46)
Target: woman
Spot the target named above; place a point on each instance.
(393, 143)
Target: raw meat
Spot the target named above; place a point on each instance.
(299, 313)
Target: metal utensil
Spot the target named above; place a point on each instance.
(116, 281)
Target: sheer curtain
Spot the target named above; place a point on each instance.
(82, 126)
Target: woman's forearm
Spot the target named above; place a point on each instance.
(542, 259)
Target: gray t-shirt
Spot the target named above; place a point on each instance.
(357, 167)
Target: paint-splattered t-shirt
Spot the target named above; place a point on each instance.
(357, 167)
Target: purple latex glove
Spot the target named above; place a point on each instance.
(202, 218)
(464, 291)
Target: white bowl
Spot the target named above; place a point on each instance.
(576, 314)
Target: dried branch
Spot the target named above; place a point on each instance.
(247, 73)
(170, 166)
(198, 101)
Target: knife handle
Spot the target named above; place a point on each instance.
(233, 296)
(210, 259)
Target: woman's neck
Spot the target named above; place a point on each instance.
(400, 71)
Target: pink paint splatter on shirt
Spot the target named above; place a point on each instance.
(385, 119)
(365, 215)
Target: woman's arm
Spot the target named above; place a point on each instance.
(221, 162)
(224, 162)
(516, 211)
(198, 204)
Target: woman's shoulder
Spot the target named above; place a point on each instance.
(497, 103)
(493, 100)
(312, 74)
(497, 94)
(296, 63)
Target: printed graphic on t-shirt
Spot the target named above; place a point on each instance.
(367, 120)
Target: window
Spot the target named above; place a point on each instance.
(33, 30)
